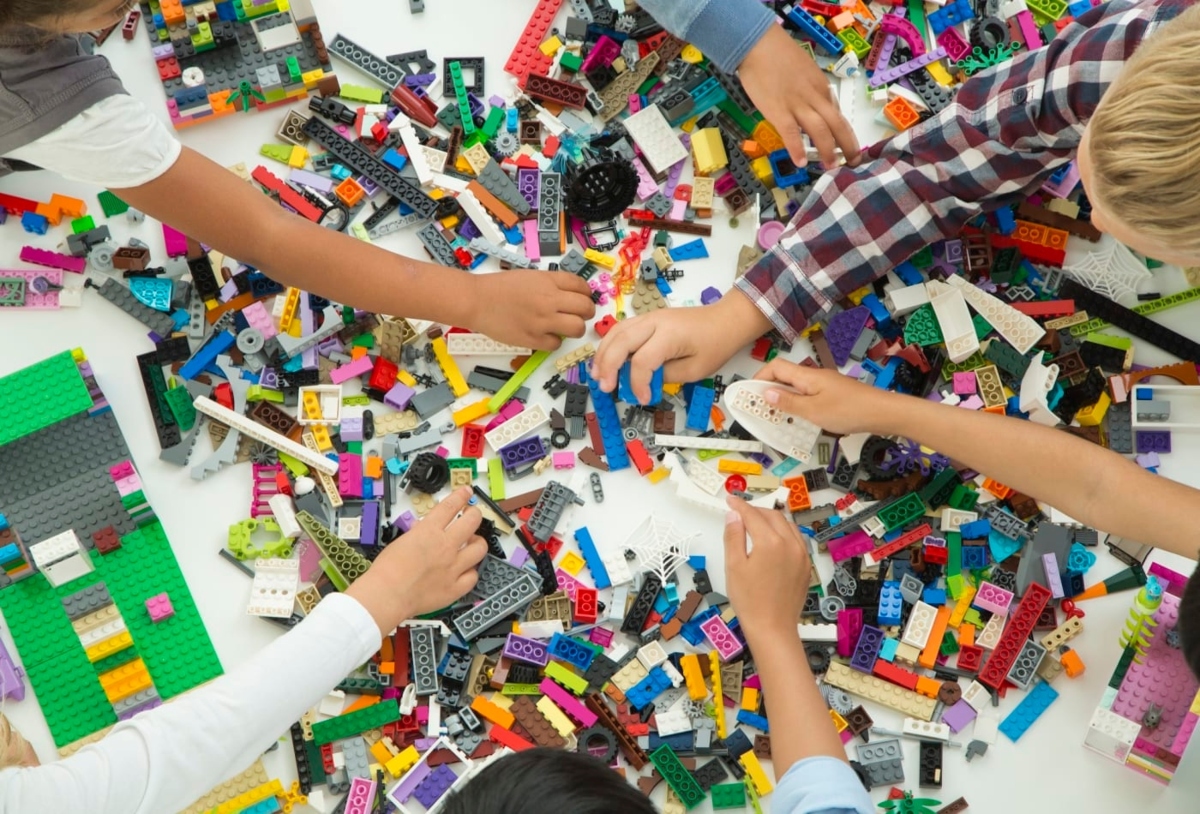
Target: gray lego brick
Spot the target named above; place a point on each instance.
(35, 463)
(354, 750)
(495, 575)
(478, 619)
(1120, 428)
(386, 73)
(1025, 667)
(89, 600)
(431, 401)
(423, 658)
(1050, 539)
(86, 503)
(549, 201)
(438, 247)
(882, 761)
(549, 510)
(496, 181)
(134, 701)
(121, 297)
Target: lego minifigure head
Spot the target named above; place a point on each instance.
(1189, 623)
(1140, 155)
(64, 16)
(548, 780)
(14, 749)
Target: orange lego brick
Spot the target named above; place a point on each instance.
(934, 645)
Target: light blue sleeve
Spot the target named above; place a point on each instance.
(725, 30)
(821, 785)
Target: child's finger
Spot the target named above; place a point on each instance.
(621, 342)
(466, 582)
(572, 282)
(735, 539)
(568, 325)
(463, 527)
(442, 514)
(756, 521)
(471, 554)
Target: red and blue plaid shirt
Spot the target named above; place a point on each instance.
(1007, 131)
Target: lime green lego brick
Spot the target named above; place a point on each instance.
(496, 478)
(111, 205)
(975, 360)
(681, 781)
(85, 224)
(568, 680)
(1110, 341)
(356, 401)
(954, 586)
(336, 578)
(1048, 9)
(1144, 308)
(521, 689)
(177, 651)
(357, 722)
(360, 93)
(42, 394)
(854, 42)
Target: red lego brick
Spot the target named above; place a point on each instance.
(890, 672)
(641, 459)
(603, 326)
(969, 657)
(506, 737)
(901, 542)
(586, 608)
(472, 442)
(761, 348)
(383, 375)
(527, 57)
(1020, 624)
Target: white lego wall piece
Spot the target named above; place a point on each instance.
(271, 438)
(522, 424)
(926, 729)
(480, 217)
(653, 135)
(460, 344)
(791, 435)
(920, 625)
(1019, 330)
(958, 331)
(273, 592)
(695, 442)
(55, 549)
(1111, 735)
(285, 515)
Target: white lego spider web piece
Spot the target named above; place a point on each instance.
(791, 435)
(1112, 271)
(660, 546)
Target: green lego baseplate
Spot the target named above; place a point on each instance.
(177, 651)
(40, 395)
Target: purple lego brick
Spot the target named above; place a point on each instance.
(1153, 441)
(843, 331)
(351, 429)
(12, 681)
(369, 534)
(867, 652)
(405, 522)
(958, 716)
(408, 784)
(523, 452)
(528, 184)
(525, 649)
(849, 628)
(710, 295)
(399, 396)
(431, 789)
(313, 181)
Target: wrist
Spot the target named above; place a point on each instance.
(739, 320)
(387, 607)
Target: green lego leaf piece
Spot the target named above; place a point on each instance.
(949, 644)
(982, 326)
(922, 327)
(357, 722)
(681, 781)
(728, 795)
(179, 400)
(904, 510)
(40, 395)
(111, 204)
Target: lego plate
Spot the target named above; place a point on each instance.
(789, 434)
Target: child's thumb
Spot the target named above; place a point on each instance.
(735, 537)
(786, 400)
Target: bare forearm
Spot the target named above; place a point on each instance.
(800, 723)
(1087, 482)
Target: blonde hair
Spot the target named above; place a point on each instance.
(1145, 138)
(14, 749)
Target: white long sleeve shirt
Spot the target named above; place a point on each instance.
(167, 758)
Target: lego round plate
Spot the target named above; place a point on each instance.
(746, 403)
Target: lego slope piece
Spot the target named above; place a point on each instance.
(789, 434)
(40, 395)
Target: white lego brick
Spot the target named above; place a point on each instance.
(618, 652)
(285, 516)
(273, 592)
(350, 528)
(620, 598)
(874, 527)
(435, 716)
(480, 217)
(954, 519)
(1111, 735)
(333, 703)
(902, 301)
(653, 135)
(652, 654)
(958, 331)
(55, 549)
(817, 633)
(1020, 331)
(1038, 380)
(673, 674)
(67, 570)
(926, 729)
(977, 696)
(522, 424)
(480, 345)
(707, 478)
(617, 567)
(550, 122)
(672, 720)
(271, 438)
(987, 726)
(1011, 8)
(436, 159)
(449, 183)
(989, 637)
(721, 444)
(789, 434)
(541, 630)
(920, 625)
(102, 632)
(417, 156)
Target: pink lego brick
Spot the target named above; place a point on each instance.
(635, 103)
(350, 475)
(1186, 729)
(260, 319)
(854, 544)
(603, 53)
(361, 798)
(721, 638)
(993, 598)
(601, 636)
(563, 699)
(564, 460)
(753, 682)
(972, 403)
(955, 43)
(964, 383)
(568, 583)
(47, 301)
(175, 240)
(54, 260)
(647, 186)
(1173, 580)
(849, 628)
(362, 366)
(127, 486)
(122, 470)
(533, 249)
(1029, 29)
(160, 607)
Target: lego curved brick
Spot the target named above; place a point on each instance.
(792, 435)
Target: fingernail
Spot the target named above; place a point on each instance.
(772, 396)
(731, 517)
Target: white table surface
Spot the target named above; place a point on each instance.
(1048, 770)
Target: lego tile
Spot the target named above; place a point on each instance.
(40, 395)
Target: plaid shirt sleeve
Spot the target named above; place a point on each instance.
(1007, 131)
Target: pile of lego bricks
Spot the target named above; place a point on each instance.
(348, 421)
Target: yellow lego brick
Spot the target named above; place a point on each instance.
(1195, 709)
(600, 259)
(454, 377)
(1093, 414)
(113, 644)
(503, 701)
(857, 295)
(709, 151)
(243, 801)
(311, 404)
(406, 378)
(320, 434)
(471, 412)
(839, 723)
(291, 302)
(298, 158)
(694, 677)
(380, 752)
(691, 54)
(754, 771)
(672, 388)
(731, 467)
(750, 699)
(550, 47)
(714, 665)
(572, 563)
(939, 74)
(557, 718)
(963, 605)
(881, 692)
(311, 78)
(402, 762)
(761, 167)
(658, 473)
(125, 680)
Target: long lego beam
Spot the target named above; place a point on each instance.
(260, 433)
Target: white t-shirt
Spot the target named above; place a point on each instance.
(169, 757)
(116, 143)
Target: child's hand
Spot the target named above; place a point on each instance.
(533, 309)
(428, 568)
(692, 343)
(767, 586)
(834, 402)
(793, 93)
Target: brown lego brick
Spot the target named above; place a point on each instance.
(518, 502)
(493, 205)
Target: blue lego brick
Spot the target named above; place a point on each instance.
(670, 592)
(587, 546)
(691, 631)
(751, 719)
(890, 603)
(34, 223)
(934, 596)
(815, 31)
(683, 742)
(1028, 711)
(572, 652)
(610, 427)
(908, 273)
(394, 160)
(887, 652)
(692, 250)
(698, 562)
(974, 556)
(950, 15)
(645, 691)
(786, 173)
(700, 408)
(738, 743)
(625, 385)
(887, 374)
(976, 529)
(1006, 221)
(878, 310)
(661, 604)
(207, 355)
(663, 286)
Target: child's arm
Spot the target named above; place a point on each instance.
(1089, 483)
(767, 589)
(164, 759)
(210, 204)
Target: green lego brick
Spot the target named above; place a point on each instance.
(491, 125)
(315, 764)
(514, 384)
(354, 723)
(677, 776)
(496, 479)
(922, 327)
(72, 700)
(460, 94)
(115, 660)
(975, 360)
(1110, 341)
(465, 463)
(731, 109)
(570, 62)
(179, 400)
(982, 326)
(346, 561)
(953, 553)
(949, 644)
(916, 15)
(40, 395)
(84, 224)
(12, 291)
(904, 510)
(964, 498)
(111, 204)
(728, 795)
(361, 93)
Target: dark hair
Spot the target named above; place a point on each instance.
(1189, 622)
(548, 780)
(16, 14)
